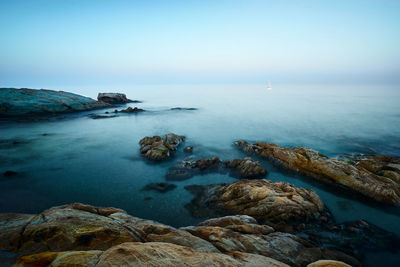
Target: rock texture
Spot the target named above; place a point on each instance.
(242, 168)
(114, 98)
(376, 177)
(160, 147)
(130, 110)
(328, 263)
(24, 102)
(262, 199)
(148, 254)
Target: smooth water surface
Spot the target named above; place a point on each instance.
(80, 159)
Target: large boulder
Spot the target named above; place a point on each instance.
(114, 98)
(147, 254)
(262, 199)
(376, 177)
(24, 102)
(160, 147)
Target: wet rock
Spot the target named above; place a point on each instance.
(130, 110)
(160, 187)
(10, 173)
(179, 108)
(98, 116)
(262, 199)
(243, 168)
(373, 176)
(148, 254)
(354, 238)
(310, 255)
(114, 98)
(24, 102)
(248, 168)
(188, 149)
(160, 148)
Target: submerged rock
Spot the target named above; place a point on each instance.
(160, 147)
(376, 177)
(188, 149)
(243, 168)
(10, 173)
(98, 116)
(160, 187)
(25, 102)
(130, 110)
(114, 98)
(262, 199)
(179, 108)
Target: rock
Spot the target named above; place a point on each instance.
(243, 168)
(328, 263)
(248, 168)
(239, 223)
(97, 116)
(367, 176)
(60, 259)
(114, 98)
(156, 232)
(10, 173)
(25, 102)
(160, 148)
(84, 235)
(179, 108)
(262, 199)
(76, 226)
(160, 187)
(130, 110)
(188, 149)
(353, 238)
(147, 254)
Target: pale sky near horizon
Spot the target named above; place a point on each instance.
(80, 42)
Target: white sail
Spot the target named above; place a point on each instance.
(269, 86)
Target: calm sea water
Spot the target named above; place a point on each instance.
(79, 159)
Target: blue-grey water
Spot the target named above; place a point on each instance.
(80, 159)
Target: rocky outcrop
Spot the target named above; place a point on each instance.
(130, 110)
(148, 254)
(328, 263)
(376, 177)
(262, 199)
(160, 147)
(25, 102)
(83, 235)
(242, 168)
(114, 98)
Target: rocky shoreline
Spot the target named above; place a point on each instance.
(251, 222)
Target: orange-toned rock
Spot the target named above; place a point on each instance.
(170, 255)
(367, 176)
(328, 263)
(160, 147)
(261, 199)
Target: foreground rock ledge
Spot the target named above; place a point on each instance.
(83, 235)
(377, 177)
(159, 148)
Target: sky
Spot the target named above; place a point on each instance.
(53, 42)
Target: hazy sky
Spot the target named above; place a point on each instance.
(47, 43)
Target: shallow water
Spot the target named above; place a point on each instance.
(79, 159)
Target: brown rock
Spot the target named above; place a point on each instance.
(261, 199)
(248, 168)
(328, 263)
(160, 148)
(366, 177)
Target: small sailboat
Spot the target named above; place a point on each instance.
(269, 86)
